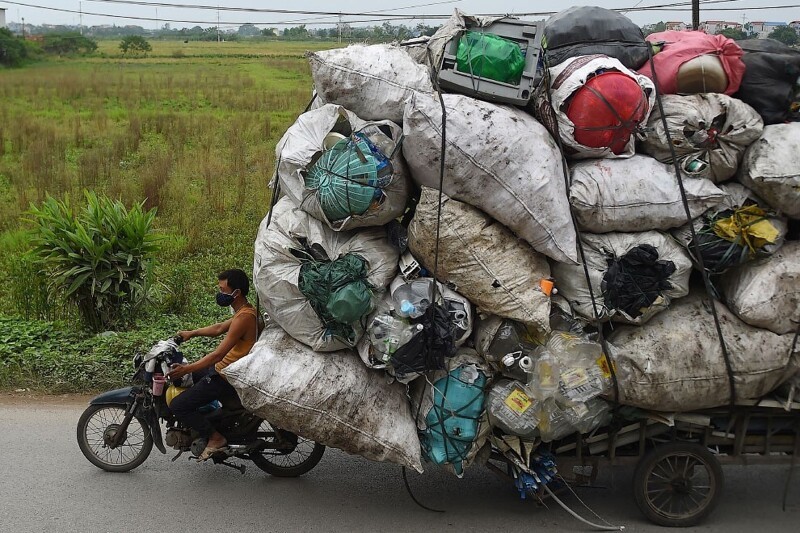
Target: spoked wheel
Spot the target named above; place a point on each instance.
(677, 484)
(97, 429)
(293, 457)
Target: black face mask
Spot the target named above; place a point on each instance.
(224, 299)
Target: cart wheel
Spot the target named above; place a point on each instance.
(677, 484)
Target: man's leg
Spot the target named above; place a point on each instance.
(185, 405)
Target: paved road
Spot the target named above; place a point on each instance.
(47, 485)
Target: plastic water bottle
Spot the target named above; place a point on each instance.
(546, 376)
(388, 333)
(413, 299)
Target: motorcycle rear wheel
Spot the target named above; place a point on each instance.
(297, 459)
(97, 426)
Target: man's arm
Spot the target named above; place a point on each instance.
(236, 329)
(214, 330)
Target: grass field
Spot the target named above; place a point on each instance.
(191, 130)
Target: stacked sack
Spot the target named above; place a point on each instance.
(438, 264)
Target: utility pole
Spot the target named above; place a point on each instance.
(80, 19)
(218, 39)
(23, 28)
(340, 28)
(695, 14)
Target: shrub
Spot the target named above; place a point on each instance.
(99, 259)
(13, 51)
(135, 44)
(68, 44)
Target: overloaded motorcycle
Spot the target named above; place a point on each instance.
(119, 428)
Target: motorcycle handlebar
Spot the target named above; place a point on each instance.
(177, 339)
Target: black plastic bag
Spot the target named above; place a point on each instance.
(428, 349)
(769, 83)
(637, 279)
(587, 30)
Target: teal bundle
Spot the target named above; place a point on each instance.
(488, 56)
(345, 178)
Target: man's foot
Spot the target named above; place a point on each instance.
(215, 443)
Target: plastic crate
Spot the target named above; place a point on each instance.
(527, 34)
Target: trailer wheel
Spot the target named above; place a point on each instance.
(677, 484)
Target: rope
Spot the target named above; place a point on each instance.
(414, 498)
(579, 517)
(706, 279)
(565, 167)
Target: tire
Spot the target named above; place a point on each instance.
(677, 484)
(299, 458)
(96, 426)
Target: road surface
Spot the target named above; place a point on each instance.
(47, 485)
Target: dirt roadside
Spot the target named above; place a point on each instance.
(10, 398)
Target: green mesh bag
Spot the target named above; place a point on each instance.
(338, 292)
(489, 56)
(345, 178)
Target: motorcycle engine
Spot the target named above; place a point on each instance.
(178, 439)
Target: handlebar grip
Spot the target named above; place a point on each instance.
(177, 339)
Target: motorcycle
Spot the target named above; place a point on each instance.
(119, 428)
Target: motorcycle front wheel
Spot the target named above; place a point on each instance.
(294, 457)
(97, 429)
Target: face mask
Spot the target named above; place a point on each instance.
(224, 299)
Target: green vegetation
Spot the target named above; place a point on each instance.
(193, 136)
(785, 34)
(135, 44)
(99, 259)
(13, 52)
(71, 43)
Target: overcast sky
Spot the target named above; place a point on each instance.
(161, 14)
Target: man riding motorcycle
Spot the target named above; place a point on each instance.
(209, 384)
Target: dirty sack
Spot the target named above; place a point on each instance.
(676, 362)
(330, 398)
(738, 230)
(342, 170)
(771, 168)
(766, 293)
(316, 283)
(596, 105)
(372, 81)
(498, 159)
(449, 406)
(709, 133)
(481, 259)
(633, 276)
(635, 194)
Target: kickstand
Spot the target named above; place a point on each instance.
(240, 468)
(176, 457)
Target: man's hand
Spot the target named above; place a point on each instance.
(178, 371)
(185, 335)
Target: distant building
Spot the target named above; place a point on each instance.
(796, 25)
(676, 26)
(765, 28)
(713, 27)
(2, 17)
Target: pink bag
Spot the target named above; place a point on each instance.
(683, 46)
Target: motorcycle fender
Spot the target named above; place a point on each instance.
(123, 397)
(116, 397)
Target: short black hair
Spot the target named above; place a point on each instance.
(236, 279)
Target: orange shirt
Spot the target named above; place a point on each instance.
(242, 346)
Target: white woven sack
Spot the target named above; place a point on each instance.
(599, 249)
(276, 270)
(569, 76)
(330, 398)
(711, 127)
(498, 159)
(635, 194)
(766, 293)
(675, 363)
(481, 259)
(771, 167)
(303, 143)
(372, 81)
